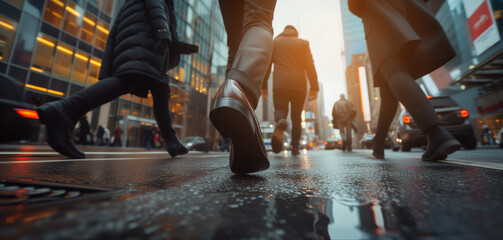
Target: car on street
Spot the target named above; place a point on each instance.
(195, 143)
(18, 120)
(368, 142)
(306, 142)
(454, 119)
(333, 143)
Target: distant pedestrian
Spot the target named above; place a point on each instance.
(292, 61)
(118, 136)
(84, 130)
(106, 136)
(141, 47)
(343, 114)
(405, 42)
(99, 136)
(148, 134)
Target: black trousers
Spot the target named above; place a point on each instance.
(281, 99)
(110, 88)
(347, 137)
(400, 86)
(249, 36)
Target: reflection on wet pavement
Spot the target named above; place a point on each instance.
(317, 195)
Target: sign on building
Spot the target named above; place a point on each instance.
(482, 24)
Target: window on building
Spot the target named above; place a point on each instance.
(79, 74)
(7, 33)
(107, 6)
(54, 11)
(15, 2)
(94, 70)
(101, 35)
(35, 7)
(64, 59)
(88, 26)
(44, 54)
(73, 18)
(25, 42)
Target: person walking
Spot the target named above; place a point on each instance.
(249, 36)
(148, 134)
(141, 47)
(99, 135)
(343, 114)
(405, 42)
(292, 61)
(106, 136)
(84, 130)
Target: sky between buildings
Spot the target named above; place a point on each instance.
(319, 22)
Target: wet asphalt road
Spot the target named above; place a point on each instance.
(320, 194)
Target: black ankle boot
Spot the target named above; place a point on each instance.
(440, 144)
(60, 122)
(174, 146)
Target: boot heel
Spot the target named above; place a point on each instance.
(231, 118)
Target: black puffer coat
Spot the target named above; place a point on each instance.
(130, 51)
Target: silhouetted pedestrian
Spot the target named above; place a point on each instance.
(249, 36)
(292, 60)
(118, 136)
(141, 47)
(99, 135)
(405, 42)
(343, 114)
(84, 130)
(106, 136)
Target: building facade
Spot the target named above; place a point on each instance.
(54, 48)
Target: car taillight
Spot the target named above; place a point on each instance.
(464, 113)
(27, 113)
(326, 142)
(311, 145)
(406, 119)
(339, 142)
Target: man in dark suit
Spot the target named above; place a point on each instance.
(292, 61)
(343, 114)
(405, 42)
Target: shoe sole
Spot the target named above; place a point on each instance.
(233, 120)
(445, 149)
(43, 114)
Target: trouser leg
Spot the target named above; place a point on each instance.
(250, 55)
(297, 104)
(408, 92)
(162, 113)
(387, 113)
(349, 136)
(280, 102)
(96, 95)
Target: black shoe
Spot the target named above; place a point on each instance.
(277, 136)
(234, 118)
(59, 129)
(440, 144)
(174, 146)
(295, 151)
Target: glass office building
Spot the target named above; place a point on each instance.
(54, 48)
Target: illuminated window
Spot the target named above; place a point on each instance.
(88, 26)
(44, 54)
(80, 67)
(64, 61)
(54, 11)
(101, 35)
(73, 18)
(7, 33)
(94, 70)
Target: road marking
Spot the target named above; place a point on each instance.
(490, 165)
(497, 166)
(109, 159)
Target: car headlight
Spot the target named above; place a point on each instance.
(304, 142)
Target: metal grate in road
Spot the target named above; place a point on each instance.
(28, 195)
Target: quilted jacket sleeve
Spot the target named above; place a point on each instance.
(158, 14)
